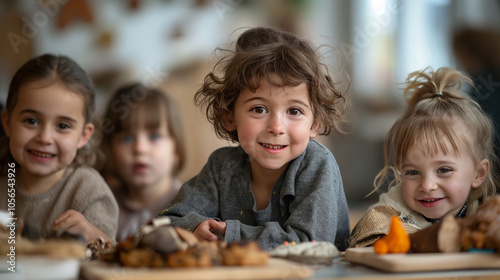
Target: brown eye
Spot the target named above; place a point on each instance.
(63, 126)
(31, 121)
(294, 112)
(259, 110)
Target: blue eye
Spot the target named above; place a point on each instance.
(444, 170)
(411, 172)
(154, 136)
(128, 139)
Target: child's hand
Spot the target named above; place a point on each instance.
(75, 223)
(207, 229)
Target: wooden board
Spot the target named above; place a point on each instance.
(276, 269)
(422, 262)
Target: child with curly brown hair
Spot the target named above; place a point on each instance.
(271, 95)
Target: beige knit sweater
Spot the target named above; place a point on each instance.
(81, 189)
(375, 222)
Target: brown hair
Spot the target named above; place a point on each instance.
(51, 68)
(439, 113)
(121, 115)
(282, 59)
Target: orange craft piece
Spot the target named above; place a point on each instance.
(396, 240)
(74, 10)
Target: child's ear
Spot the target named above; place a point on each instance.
(481, 173)
(228, 122)
(314, 129)
(87, 132)
(5, 123)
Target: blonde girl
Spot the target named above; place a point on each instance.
(439, 154)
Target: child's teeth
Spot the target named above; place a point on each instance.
(272, 147)
(42, 154)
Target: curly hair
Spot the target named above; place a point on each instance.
(284, 60)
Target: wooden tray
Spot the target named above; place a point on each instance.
(422, 262)
(276, 269)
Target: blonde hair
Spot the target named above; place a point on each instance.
(438, 115)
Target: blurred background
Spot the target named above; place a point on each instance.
(369, 45)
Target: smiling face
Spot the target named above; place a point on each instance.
(274, 124)
(144, 156)
(46, 128)
(439, 184)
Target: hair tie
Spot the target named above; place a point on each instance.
(438, 94)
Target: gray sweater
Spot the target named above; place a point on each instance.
(307, 202)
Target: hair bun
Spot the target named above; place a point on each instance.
(257, 37)
(444, 83)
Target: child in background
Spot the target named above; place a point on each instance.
(48, 126)
(440, 154)
(271, 95)
(144, 149)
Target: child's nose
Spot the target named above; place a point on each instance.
(275, 125)
(141, 144)
(428, 184)
(44, 135)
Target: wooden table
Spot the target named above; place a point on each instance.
(348, 271)
(276, 269)
(280, 269)
(355, 263)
